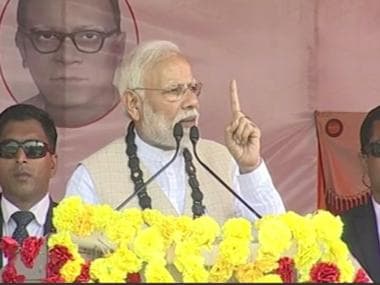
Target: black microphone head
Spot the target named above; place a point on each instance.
(178, 132)
(194, 134)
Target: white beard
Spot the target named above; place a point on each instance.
(158, 131)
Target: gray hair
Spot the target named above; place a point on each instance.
(131, 71)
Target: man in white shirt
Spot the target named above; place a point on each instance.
(158, 90)
(28, 160)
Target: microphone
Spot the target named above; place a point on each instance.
(194, 137)
(178, 134)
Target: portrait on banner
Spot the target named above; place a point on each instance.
(61, 56)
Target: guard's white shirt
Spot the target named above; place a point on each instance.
(34, 228)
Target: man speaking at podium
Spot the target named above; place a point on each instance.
(158, 90)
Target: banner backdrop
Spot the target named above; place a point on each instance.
(289, 58)
(75, 87)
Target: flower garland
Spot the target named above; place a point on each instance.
(28, 251)
(135, 246)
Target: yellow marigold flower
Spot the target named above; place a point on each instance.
(152, 217)
(65, 211)
(102, 216)
(204, 230)
(102, 270)
(187, 247)
(81, 225)
(157, 272)
(188, 259)
(249, 272)
(328, 226)
(301, 227)
(304, 260)
(64, 239)
(189, 263)
(237, 228)
(269, 278)
(290, 218)
(149, 244)
(235, 250)
(347, 270)
(266, 262)
(183, 227)
(71, 270)
(120, 230)
(336, 250)
(270, 242)
(197, 274)
(126, 260)
(85, 222)
(167, 229)
(220, 272)
(134, 216)
(187, 255)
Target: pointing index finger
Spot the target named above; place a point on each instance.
(235, 104)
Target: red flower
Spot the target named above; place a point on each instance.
(30, 248)
(286, 270)
(361, 276)
(9, 246)
(84, 275)
(9, 274)
(57, 257)
(134, 277)
(54, 279)
(324, 272)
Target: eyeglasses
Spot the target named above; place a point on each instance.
(373, 149)
(87, 41)
(33, 149)
(177, 92)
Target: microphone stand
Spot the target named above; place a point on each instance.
(178, 134)
(194, 137)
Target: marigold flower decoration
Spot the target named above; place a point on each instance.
(147, 246)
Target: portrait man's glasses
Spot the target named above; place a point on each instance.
(373, 149)
(87, 41)
(176, 92)
(33, 149)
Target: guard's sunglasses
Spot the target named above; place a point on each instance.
(33, 149)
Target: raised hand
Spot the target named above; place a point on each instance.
(242, 136)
